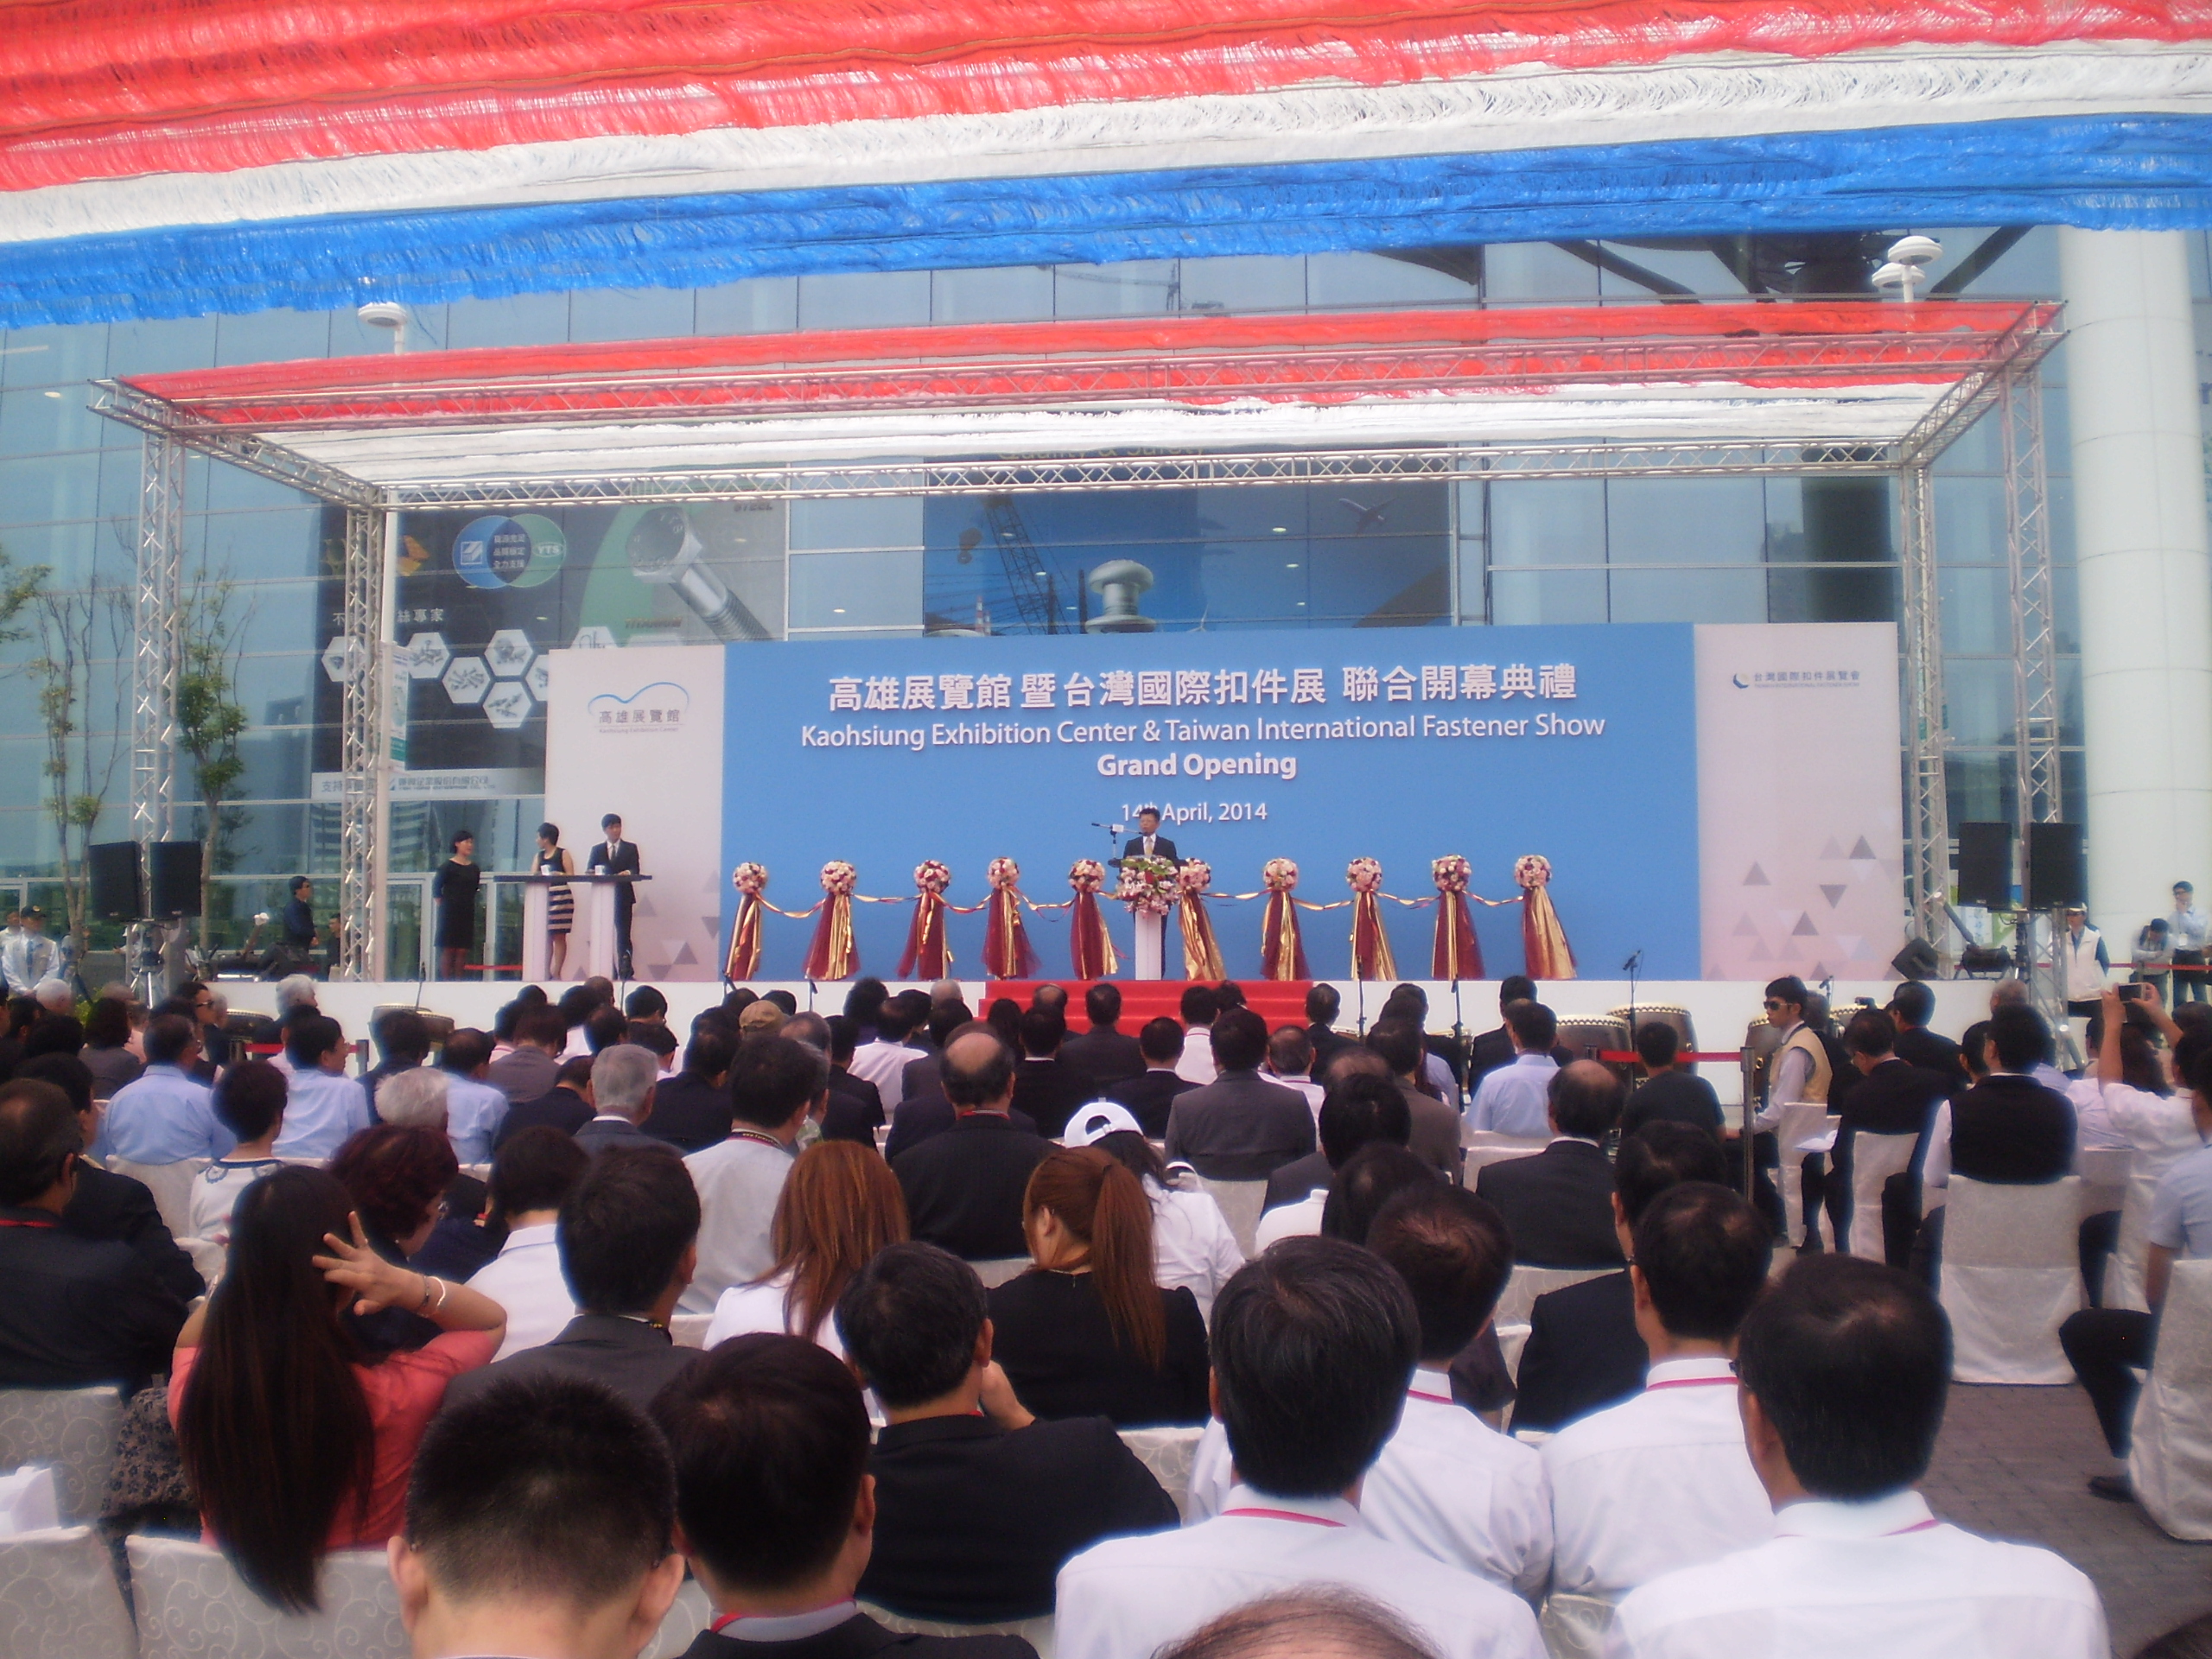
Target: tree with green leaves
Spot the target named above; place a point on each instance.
(209, 723)
(80, 759)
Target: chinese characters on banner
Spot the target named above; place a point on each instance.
(1184, 687)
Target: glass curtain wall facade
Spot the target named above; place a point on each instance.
(261, 561)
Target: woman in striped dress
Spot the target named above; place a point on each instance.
(560, 900)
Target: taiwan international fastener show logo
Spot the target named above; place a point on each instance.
(496, 551)
(1795, 679)
(662, 706)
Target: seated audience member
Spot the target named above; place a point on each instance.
(566, 1106)
(1583, 1350)
(841, 1206)
(532, 1066)
(762, 1018)
(1087, 1331)
(627, 1239)
(78, 1311)
(106, 1053)
(691, 1109)
(1668, 1093)
(106, 1205)
(539, 1520)
(397, 1179)
(1322, 1004)
(1361, 1107)
(1102, 1056)
(250, 1101)
(1239, 1127)
(416, 1099)
(1844, 1367)
(1447, 1485)
(2127, 1100)
(531, 1178)
(1558, 1204)
(1290, 1063)
(978, 1502)
(645, 1005)
(775, 1085)
(1371, 1177)
(55, 1032)
(623, 1079)
(1198, 1008)
(1043, 1088)
(1440, 1054)
(474, 1107)
(1493, 1048)
(1890, 1097)
(855, 1104)
(923, 1079)
(1151, 1094)
(930, 1111)
(1513, 1094)
(603, 1028)
(323, 1106)
(656, 1039)
(776, 1511)
(165, 1117)
(295, 1437)
(1661, 1480)
(1435, 1139)
(883, 1061)
(964, 1187)
(1912, 1005)
(403, 1042)
(1192, 1243)
(1304, 1625)
(1314, 1347)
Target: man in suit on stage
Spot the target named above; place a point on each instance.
(1559, 1205)
(615, 856)
(1148, 842)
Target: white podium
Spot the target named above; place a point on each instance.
(591, 935)
(1151, 931)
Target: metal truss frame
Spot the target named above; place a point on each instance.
(158, 657)
(1926, 807)
(361, 742)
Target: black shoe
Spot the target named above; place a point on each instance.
(2115, 1488)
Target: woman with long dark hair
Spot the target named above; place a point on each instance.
(298, 1440)
(839, 1206)
(1088, 1332)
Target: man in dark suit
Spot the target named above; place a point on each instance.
(623, 1075)
(1363, 1103)
(1239, 1127)
(964, 1186)
(855, 1104)
(1912, 1005)
(1148, 842)
(1494, 1048)
(1435, 1125)
(615, 856)
(78, 1311)
(1043, 1088)
(1559, 1205)
(691, 1109)
(1102, 1056)
(1322, 1006)
(566, 1106)
(1668, 1091)
(1889, 1097)
(975, 1509)
(1583, 1352)
(1150, 1093)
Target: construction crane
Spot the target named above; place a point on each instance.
(1036, 599)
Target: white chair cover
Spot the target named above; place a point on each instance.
(59, 1600)
(1526, 1284)
(1574, 1626)
(171, 1186)
(74, 1430)
(1487, 1146)
(2123, 1281)
(1167, 1452)
(1806, 1126)
(2012, 1274)
(1038, 1632)
(192, 1605)
(2171, 1457)
(1241, 1203)
(688, 1330)
(210, 1259)
(688, 1615)
(997, 1269)
(1875, 1158)
(1511, 1340)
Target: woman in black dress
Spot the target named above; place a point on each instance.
(453, 889)
(1088, 1332)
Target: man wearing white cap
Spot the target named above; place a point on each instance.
(1191, 1243)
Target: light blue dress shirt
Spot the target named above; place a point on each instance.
(2186, 929)
(322, 1111)
(162, 1117)
(1515, 1099)
(473, 1113)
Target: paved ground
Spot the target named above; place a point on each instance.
(2012, 1463)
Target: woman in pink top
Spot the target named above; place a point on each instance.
(298, 1440)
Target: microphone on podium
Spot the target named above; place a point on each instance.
(1110, 828)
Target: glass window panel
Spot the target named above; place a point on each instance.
(277, 763)
(277, 616)
(1346, 281)
(1977, 606)
(1474, 599)
(1978, 701)
(517, 320)
(860, 522)
(54, 356)
(428, 328)
(1283, 513)
(1970, 520)
(864, 299)
(1548, 521)
(2069, 700)
(995, 293)
(261, 546)
(275, 336)
(2073, 783)
(1380, 581)
(279, 687)
(759, 305)
(1246, 582)
(1844, 520)
(2066, 606)
(1686, 521)
(1535, 271)
(36, 420)
(1830, 594)
(2028, 270)
(1689, 595)
(1699, 270)
(1523, 596)
(1785, 519)
(2061, 520)
(1245, 282)
(1980, 788)
(1140, 288)
(630, 314)
(69, 550)
(50, 487)
(856, 590)
(232, 489)
(22, 776)
(1979, 449)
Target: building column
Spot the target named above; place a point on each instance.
(2145, 575)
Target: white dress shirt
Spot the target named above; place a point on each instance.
(1192, 1243)
(746, 1310)
(322, 1111)
(1658, 1482)
(525, 1278)
(1195, 1065)
(2094, 1130)
(2186, 929)
(1128, 1596)
(473, 1113)
(739, 1180)
(1305, 1086)
(1882, 1577)
(1515, 1099)
(884, 1065)
(1300, 1220)
(1447, 1485)
(216, 1191)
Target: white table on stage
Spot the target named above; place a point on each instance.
(591, 935)
(1151, 931)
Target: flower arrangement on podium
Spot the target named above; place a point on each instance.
(1543, 941)
(1457, 953)
(1201, 950)
(833, 955)
(1282, 945)
(1148, 885)
(750, 880)
(1007, 950)
(1090, 949)
(1371, 944)
(928, 953)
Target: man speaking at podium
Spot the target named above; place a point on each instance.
(615, 856)
(1148, 842)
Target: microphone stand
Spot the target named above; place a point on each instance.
(1460, 1058)
(1635, 962)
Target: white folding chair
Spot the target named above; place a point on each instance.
(1574, 1626)
(2123, 1281)
(688, 1615)
(1511, 1340)
(996, 1270)
(171, 1186)
(59, 1599)
(74, 1430)
(1241, 1204)
(1482, 1147)
(688, 1330)
(1526, 1284)
(2011, 1273)
(1875, 1158)
(2170, 1458)
(192, 1604)
(1167, 1452)
(1038, 1632)
(1806, 1126)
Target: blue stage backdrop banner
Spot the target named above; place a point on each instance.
(1320, 745)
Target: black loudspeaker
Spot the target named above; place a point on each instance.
(1917, 959)
(1985, 864)
(2058, 873)
(116, 893)
(176, 878)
